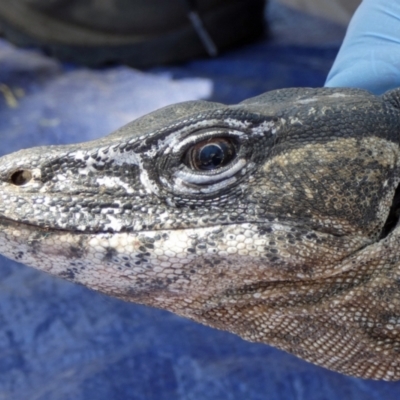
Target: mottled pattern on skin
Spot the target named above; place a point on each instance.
(293, 242)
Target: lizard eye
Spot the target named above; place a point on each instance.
(210, 154)
(206, 162)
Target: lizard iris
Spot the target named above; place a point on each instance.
(210, 155)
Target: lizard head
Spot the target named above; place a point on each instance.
(274, 219)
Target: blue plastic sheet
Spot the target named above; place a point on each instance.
(60, 341)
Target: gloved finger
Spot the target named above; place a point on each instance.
(369, 57)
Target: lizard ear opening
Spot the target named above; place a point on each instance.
(394, 215)
(393, 97)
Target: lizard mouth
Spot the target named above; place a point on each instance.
(393, 217)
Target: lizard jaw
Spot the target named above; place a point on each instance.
(153, 266)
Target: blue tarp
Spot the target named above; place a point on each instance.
(60, 341)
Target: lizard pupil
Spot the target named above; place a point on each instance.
(211, 154)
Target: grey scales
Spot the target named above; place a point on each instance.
(275, 219)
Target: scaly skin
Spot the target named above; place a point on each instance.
(292, 240)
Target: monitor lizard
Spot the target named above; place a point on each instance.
(275, 219)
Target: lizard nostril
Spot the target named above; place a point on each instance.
(21, 177)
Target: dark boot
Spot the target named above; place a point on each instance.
(140, 33)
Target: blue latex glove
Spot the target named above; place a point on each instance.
(370, 54)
